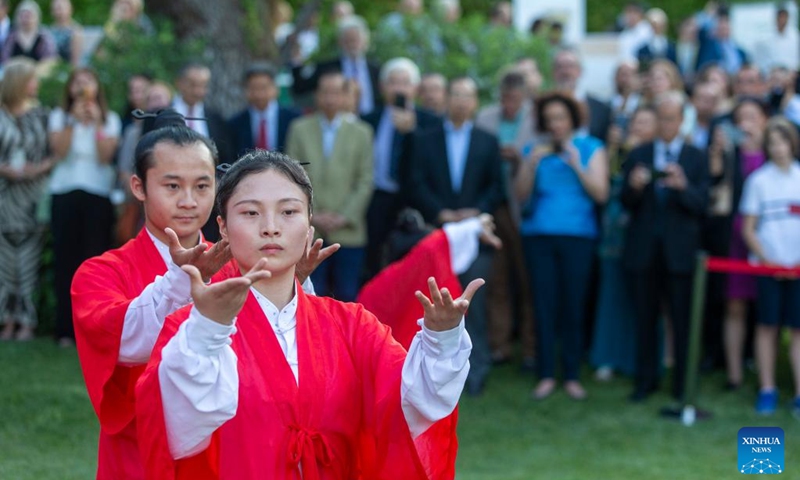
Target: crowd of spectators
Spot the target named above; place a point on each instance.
(601, 203)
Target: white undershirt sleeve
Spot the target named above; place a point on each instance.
(199, 383)
(464, 241)
(434, 374)
(146, 313)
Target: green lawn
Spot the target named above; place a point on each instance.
(48, 429)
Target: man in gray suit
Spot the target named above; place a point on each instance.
(338, 149)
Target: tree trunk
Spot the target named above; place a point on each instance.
(235, 31)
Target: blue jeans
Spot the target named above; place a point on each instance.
(340, 275)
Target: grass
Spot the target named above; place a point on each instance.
(48, 429)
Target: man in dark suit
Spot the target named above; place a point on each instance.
(192, 86)
(353, 38)
(666, 192)
(566, 74)
(658, 46)
(394, 123)
(264, 123)
(456, 175)
(717, 46)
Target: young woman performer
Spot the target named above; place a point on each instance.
(260, 380)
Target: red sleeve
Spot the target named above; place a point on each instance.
(99, 304)
(390, 295)
(388, 449)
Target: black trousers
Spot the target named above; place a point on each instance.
(716, 241)
(82, 226)
(651, 288)
(381, 218)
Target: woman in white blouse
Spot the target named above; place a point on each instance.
(83, 137)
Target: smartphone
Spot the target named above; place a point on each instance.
(658, 174)
(558, 147)
(400, 100)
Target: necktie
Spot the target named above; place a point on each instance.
(263, 141)
(661, 190)
(190, 114)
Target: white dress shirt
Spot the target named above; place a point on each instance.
(198, 110)
(271, 114)
(5, 30)
(384, 141)
(358, 70)
(632, 39)
(329, 131)
(457, 143)
(662, 150)
(200, 382)
(780, 49)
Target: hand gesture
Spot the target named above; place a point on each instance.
(639, 178)
(615, 135)
(676, 178)
(487, 235)
(441, 311)
(511, 155)
(313, 256)
(404, 119)
(572, 156)
(222, 301)
(207, 262)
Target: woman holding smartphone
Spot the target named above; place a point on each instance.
(559, 185)
(83, 136)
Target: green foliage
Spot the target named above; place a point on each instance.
(130, 52)
(470, 47)
(86, 12)
(602, 14)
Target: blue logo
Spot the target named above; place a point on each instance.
(761, 450)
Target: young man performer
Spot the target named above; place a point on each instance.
(121, 298)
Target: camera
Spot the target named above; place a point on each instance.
(400, 101)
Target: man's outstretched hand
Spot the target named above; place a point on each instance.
(207, 260)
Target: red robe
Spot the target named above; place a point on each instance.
(390, 295)
(102, 289)
(344, 421)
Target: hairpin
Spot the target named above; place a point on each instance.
(224, 167)
(139, 114)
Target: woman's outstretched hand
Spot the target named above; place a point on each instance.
(313, 256)
(442, 312)
(223, 300)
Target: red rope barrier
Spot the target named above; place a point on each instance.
(727, 265)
